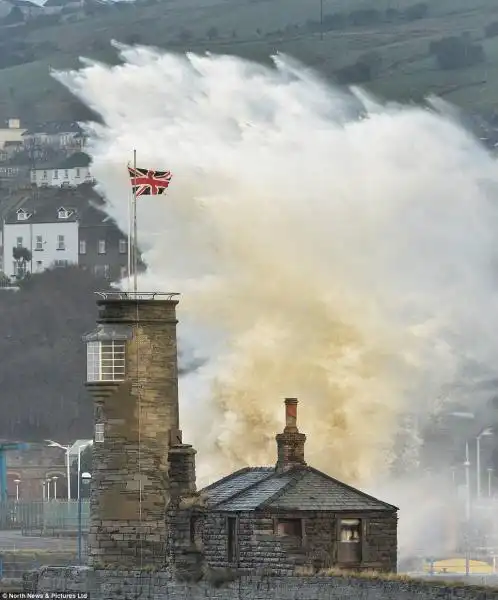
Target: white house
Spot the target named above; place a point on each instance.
(11, 131)
(50, 235)
(71, 172)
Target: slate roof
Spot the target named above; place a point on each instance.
(76, 160)
(54, 127)
(85, 204)
(301, 489)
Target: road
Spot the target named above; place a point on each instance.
(13, 540)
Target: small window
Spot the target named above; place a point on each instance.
(19, 242)
(232, 539)
(61, 263)
(106, 361)
(39, 242)
(78, 173)
(56, 174)
(21, 215)
(82, 247)
(61, 244)
(45, 174)
(99, 433)
(123, 246)
(124, 272)
(101, 246)
(350, 537)
(62, 213)
(66, 174)
(290, 528)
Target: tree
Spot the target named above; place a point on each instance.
(22, 256)
(212, 33)
(456, 52)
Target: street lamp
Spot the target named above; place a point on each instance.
(484, 432)
(67, 449)
(85, 479)
(54, 479)
(17, 482)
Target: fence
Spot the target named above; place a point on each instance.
(44, 517)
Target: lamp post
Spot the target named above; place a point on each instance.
(67, 449)
(484, 432)
(85, 479)
(17, 482)
(467, 508)
(54, 479)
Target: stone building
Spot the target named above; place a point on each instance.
(145, 509)
(293, 515)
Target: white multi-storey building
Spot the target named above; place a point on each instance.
(72, 172)
(52, 240)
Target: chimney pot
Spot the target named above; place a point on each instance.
(290, 443)
(291, 413)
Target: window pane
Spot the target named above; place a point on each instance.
(106, 361)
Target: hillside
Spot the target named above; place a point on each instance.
(393, 50)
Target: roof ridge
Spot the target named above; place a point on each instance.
(297, 473)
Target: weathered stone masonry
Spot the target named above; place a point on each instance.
(130, 485)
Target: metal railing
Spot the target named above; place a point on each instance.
(47, 517)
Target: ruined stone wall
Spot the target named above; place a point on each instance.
(259, 547)
(109, 585)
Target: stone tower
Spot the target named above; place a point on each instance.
(132, 373)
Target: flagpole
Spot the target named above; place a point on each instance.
(135, 241)
(129, 240)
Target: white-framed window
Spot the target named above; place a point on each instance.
(99, 433)
(62, 213)
(61, 244)
(56, 174)
(123, 246)
(61, 263)
(45, 175)
(66, 174)
(78, 174)
(106, 361)
(19, 242)
(101, 246)
(39, 242)
(82, 246)
(22, 215)
(124, 272)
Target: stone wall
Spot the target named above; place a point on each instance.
(259, 547)
(130, 480)
(109, 585)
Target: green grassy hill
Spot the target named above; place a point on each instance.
(390, 40)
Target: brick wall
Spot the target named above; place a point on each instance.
(260, 548)
(109, 585)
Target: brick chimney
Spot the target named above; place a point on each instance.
(290, 443)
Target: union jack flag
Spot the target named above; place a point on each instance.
(145, 182)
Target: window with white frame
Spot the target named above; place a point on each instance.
(56, 174)
(101, 246)
(99, 433)
(66, 174)
(106, 360)
(19, 242)
(61, 244)
(123, 246)
(82, 246)
(39, 242)
(78, 173)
